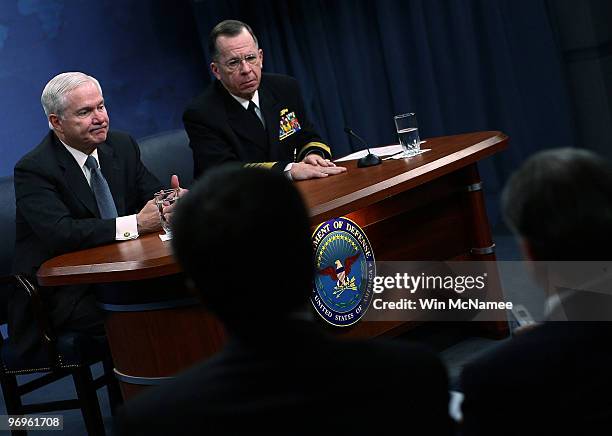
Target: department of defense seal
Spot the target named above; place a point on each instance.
(344, 272)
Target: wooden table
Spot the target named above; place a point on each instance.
(429, 207)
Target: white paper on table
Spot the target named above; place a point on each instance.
(165, 237)
(387, 150)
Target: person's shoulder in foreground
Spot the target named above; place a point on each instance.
(314, 385)
(553, 379)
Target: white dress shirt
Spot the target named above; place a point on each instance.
(245, 104)
(126, 227)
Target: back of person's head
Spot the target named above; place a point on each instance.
(242, 236)
(560, 202)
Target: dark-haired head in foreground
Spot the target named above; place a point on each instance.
(242, 236)
(243, 239)
(560, 203)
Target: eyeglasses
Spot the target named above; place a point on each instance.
(235, 63)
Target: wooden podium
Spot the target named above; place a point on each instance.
(429, 207)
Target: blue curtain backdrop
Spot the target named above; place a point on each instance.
(145, 53)
(461, 65)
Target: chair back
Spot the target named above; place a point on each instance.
(168, 153)
(75, 352)
(7, 247)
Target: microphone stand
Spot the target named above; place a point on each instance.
(368, 160)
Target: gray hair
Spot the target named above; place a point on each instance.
(227, 28)
(53, 98)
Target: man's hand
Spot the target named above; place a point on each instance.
(315, 159)
(304, 171)
(174, 183)
(148, 219)
(524, 329)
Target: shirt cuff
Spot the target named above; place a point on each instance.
(126, 227)
(287, 171)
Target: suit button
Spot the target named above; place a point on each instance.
(126, 234)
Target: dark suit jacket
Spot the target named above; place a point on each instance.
(57, 213)
(297, 380)
(553, 380)
(220, 130)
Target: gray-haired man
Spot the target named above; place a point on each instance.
(82, 186)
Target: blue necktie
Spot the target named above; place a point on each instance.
(101, 191)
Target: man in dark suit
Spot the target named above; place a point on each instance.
(553, 378)
(254, 118)
(82, 186)
(242, 236)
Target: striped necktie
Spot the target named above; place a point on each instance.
(106, 204)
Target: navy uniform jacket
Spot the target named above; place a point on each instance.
(57, 213)
(220, 130)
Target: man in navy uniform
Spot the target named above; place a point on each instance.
(252, 117)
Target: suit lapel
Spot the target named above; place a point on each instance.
(111, 169)
(244, 124)
(75, 179)
(271, 108)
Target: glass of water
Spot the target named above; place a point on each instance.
(163, 198)
(408, 133)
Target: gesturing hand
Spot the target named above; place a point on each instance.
(174, 183)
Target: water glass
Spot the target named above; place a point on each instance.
(408, 133)
(163, 198)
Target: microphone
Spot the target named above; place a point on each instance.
(370, 159)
